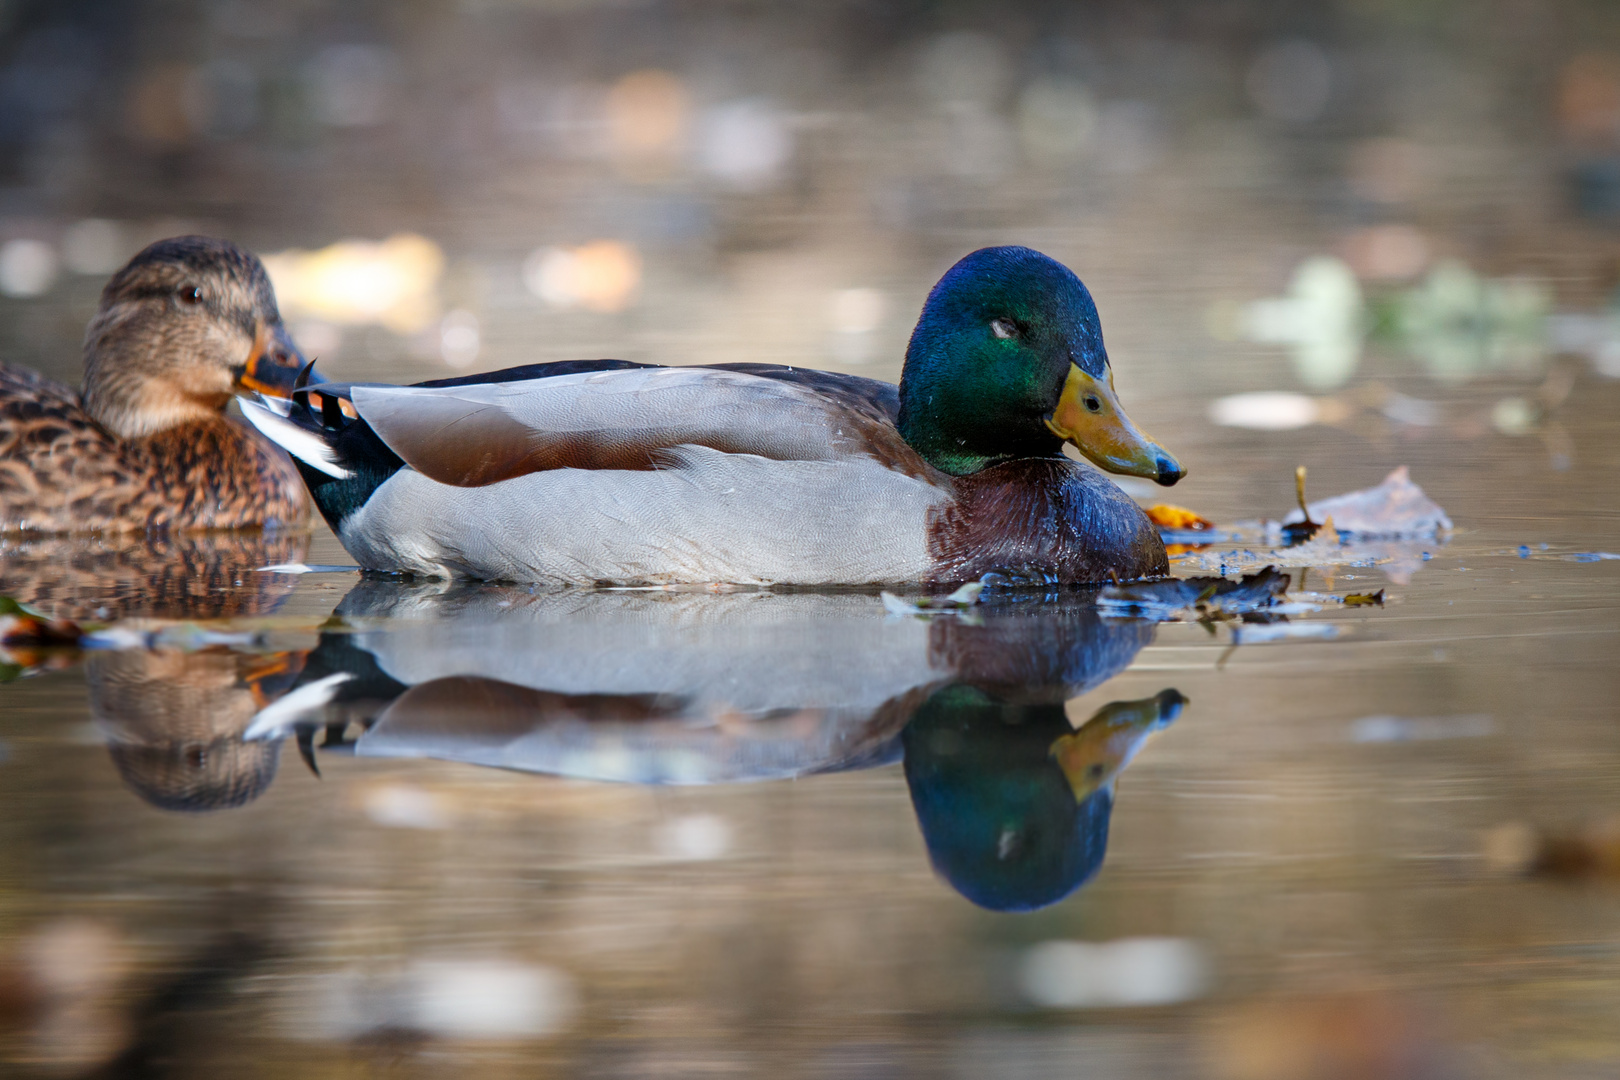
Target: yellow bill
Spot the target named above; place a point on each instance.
(1088, 415)
(1094, 755)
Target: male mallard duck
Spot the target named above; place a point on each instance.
(147, 444)
(606, 471)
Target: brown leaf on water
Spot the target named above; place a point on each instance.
(1344, 1034)
(1592, 851)
(1360, 599)
(1166, 516)
(1177, 599)
(31, 643)
(22, 627)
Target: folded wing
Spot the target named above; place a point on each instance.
(479, 434)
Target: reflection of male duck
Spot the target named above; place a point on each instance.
(653, 687)
(697, 688)
(1014, 803)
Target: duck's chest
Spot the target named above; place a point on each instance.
(1042, 518)
(215, 474)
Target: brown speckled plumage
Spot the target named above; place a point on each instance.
(60, 471)
(146, 445)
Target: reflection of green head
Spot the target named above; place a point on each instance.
(996, 810)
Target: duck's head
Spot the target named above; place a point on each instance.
(1007, 361)
(184, 325)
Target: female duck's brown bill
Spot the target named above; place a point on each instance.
(273, 365)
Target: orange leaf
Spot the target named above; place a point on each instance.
(1166, 516)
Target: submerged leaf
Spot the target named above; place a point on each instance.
(1522, 848)
(1252, 634)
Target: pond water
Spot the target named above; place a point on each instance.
(302, 821)
(319, 825)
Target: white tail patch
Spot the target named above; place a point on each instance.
(304, 703)
(306, 446)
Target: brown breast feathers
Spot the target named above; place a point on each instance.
(1043, 518)
(60, 472)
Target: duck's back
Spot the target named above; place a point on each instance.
(61, 472)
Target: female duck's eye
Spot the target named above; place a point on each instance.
(1093, 402)
(1003, 328)
(191, 295)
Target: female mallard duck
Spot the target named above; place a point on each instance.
(605, 471)
(147, 444)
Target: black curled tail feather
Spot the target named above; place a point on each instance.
(352, 449)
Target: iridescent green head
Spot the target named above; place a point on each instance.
(1007, 361)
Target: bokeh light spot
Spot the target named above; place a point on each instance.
(27, 268)
(600, 276)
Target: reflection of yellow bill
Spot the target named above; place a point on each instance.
(1088, 415)
(1094, 755)
(272, 367)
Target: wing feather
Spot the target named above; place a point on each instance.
(473, 435)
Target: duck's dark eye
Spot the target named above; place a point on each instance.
(1093, 402)
(190, 294)
(1003, 328)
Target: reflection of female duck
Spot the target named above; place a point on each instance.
(200, 575)
(174, 721)
(1013, 802)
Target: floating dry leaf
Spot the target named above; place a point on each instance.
(1521, 848)
(1395, 508)
(965, 597)
(31, 643)
(166, 634)
(23, 627)
(1189, 599)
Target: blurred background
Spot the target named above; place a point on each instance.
(1367, 204)
(1351, 234)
